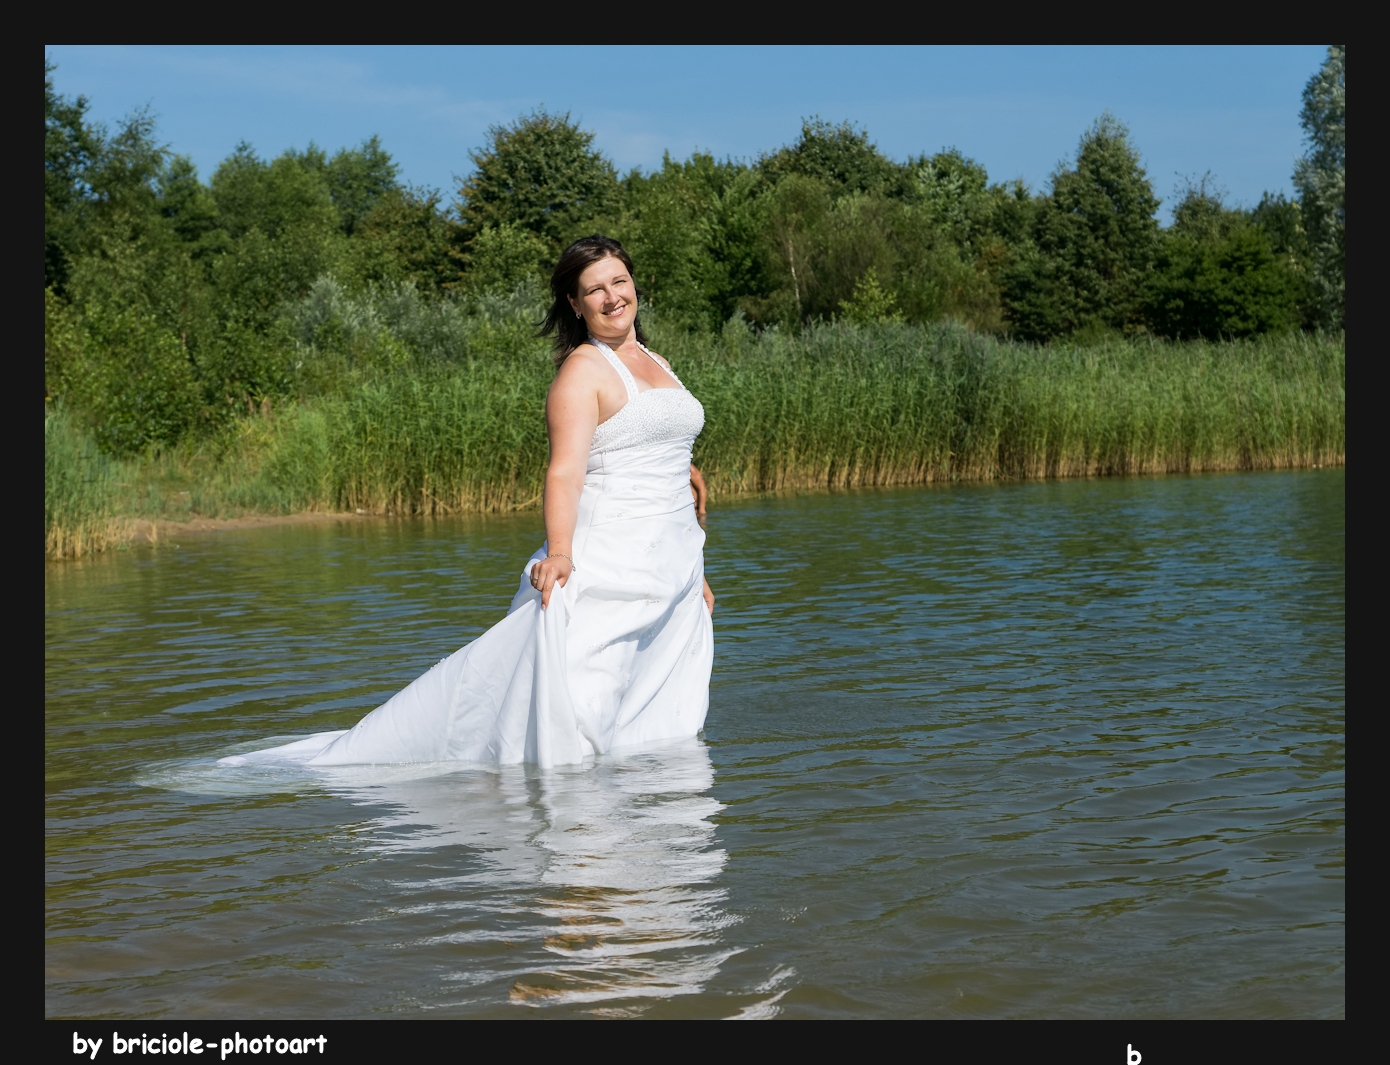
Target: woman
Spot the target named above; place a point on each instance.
(609, 640)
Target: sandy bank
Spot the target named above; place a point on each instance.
(151, 532)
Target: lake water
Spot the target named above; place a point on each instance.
(1043, 750)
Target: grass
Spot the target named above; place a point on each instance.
(838, 405)
(900, 405)
(80, 492)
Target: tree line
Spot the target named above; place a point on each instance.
(169, 299)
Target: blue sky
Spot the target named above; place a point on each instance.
(1018, 110)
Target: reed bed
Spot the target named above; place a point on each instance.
(946, 405)
(836, 406)
(80, 489)
(844, 406)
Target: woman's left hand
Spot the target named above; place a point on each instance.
(549, 572)
(709, 598)
(698, 490)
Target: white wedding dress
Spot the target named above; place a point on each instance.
(621, 656)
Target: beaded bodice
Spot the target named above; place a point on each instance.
(655, 416)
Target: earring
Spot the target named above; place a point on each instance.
(579, 314)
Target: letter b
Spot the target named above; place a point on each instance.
(79, 1045)
(1132, 1056)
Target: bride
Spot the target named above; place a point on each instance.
(608, 641)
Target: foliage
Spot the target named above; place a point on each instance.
(505, 256)
(541, 173)
(343, 338)
(357, 180)
(1321, 180)
(691, 229)
(837, 405)
(177, 307)
(1093, 240)
(404, 237)
(842, 158)
(1217, 274)
(70, 148)
(870, 302)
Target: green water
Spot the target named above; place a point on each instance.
(1070, 749)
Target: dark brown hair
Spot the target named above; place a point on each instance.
(561, 322)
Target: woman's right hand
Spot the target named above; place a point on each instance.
(549, 572)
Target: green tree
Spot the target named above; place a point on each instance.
(283, 232)
(871, 302)
(71, 146)
(861, 236)
(185, 202)
(405, 237)
(541, 173)
(91, 176)
(954, 192)
(354, 178)
(504, 257)
(1217, 274)
(1093, 240)
(794, 220)
(128, 371)
(954, 257)
(124, 174)
(1281, 220)
(289, 192)
(841, 157)
(1321, 179)
(687, 227)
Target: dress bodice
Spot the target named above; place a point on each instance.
(655, 416)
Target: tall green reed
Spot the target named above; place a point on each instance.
(837, 405)
(80, 489)
(844, 405)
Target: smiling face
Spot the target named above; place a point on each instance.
(607, 299)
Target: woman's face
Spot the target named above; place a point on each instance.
(607, 298)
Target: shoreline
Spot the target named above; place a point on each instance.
(154, 531)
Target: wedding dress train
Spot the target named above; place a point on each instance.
(621, 656)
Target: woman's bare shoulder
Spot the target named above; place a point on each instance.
(580, 362)
(659, 358)
(581, 370)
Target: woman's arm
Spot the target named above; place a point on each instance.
(571, 414)
(698, 490)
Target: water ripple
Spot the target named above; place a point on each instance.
(1065, 749)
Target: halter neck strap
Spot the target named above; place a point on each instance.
(664, 369)
(608, 353)
(628, 380)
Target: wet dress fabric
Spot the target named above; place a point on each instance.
(622, 656)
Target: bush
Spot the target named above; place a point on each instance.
(141, 390)
(1231, 286)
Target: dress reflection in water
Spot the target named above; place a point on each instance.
(610, 869)
(622, 655)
